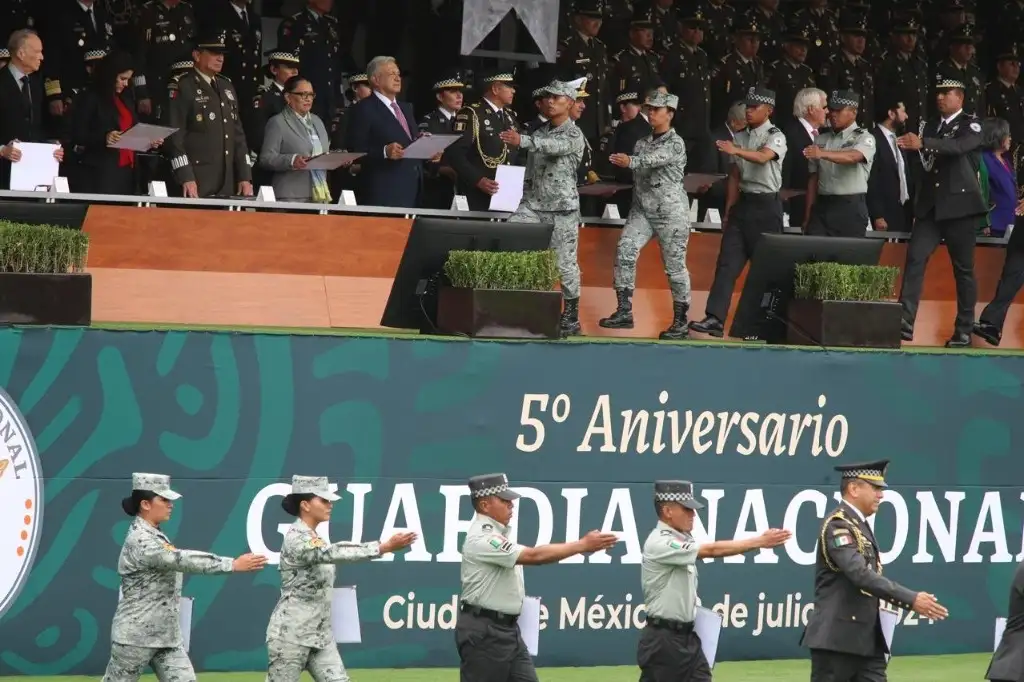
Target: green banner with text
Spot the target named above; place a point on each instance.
(582, 430)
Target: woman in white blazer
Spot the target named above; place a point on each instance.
(290, 140)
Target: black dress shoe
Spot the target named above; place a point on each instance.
(709, 325)
(906, 331)
(959, 340)
(989, 332)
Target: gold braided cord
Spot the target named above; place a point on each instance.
(489, 161)
(862, 544)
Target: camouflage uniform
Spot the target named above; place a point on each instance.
(299, 635)
(660, 208)
(145, 631)
(550, 195)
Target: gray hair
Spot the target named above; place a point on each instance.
(738, 112)
(376, 63)
(993, 132)
(18, 40)
(807, 98)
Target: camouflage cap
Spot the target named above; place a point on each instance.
(313, 485)
(155, 483)
(661, 99)
(565, 89)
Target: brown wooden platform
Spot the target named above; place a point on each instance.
(185, 266)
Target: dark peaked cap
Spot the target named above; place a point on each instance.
(872, 472)
(680, 492)
(491, 484)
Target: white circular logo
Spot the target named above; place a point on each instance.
(21, 501)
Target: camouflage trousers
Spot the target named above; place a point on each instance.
(287, 661)
(564, 240)
(127, 664)
(673, 235)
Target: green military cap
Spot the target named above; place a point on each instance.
(491, 484)
(841, 99)
(964, 33)
(565, 89)
(680, 492)
(589, 8)
(154, 483)
(872, 472)
(661, 99)
(212, 41)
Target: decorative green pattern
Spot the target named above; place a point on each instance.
(228, 414)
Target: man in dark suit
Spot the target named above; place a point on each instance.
(382, 127)
(844, 632)
(719, 163)
(889, 182)
(947, 207)
(1008, 661)
(801, 132)
(21, 100)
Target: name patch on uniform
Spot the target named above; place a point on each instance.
(501, 543)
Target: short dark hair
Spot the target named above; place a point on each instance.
(292, 83)
(885, 102)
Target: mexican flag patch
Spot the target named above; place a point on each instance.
(842, 540)
(675, 545)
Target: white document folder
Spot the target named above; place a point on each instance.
(529, 624)
(708, 626)
(345, 615)
(36, 168)
(888, 620)
(510, 188)
(1000, 629)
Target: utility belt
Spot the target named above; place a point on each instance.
(668, 624)
(490, 614)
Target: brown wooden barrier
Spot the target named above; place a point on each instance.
(185, 266)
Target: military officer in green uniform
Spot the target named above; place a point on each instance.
(839, 163)
(790, 74)
(669, 648)
(208, 154)
(847, 69)
(145, 632)
(904, 71)
(717, 34)
(687, 72)
(959, 66)
(583, 53)
(739, 70)
(819, 20)
(488, 641)
(1004, 98)
(638, 61)
(476, 156)
(844, 630)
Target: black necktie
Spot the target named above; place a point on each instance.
(26, 97)
(245, 18)
(92, 18)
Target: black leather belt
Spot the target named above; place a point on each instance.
(496, 616)
(666, 624)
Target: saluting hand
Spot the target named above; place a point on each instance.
(773, 537)
(248, 563)
(397, 541)
(929, 607)
(596, 540)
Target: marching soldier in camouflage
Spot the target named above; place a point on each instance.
(844, 631)
(488, 641)
(660, 208)
(208, 154)
(839, 163)
(299, 635)
(145, 632)
(847, 69)
(669, 648)
(550, 193)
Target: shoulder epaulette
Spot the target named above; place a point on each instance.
(772, 65)
(860, 131)
(617, 55)
(597, 40)
(297, 15)
(773, 130)
(331, 17)
(223, 77)
(263, 89)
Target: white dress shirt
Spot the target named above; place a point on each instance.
(900, 165)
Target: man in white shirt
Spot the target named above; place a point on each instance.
(889, 205)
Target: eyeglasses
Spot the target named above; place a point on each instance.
(303, 95)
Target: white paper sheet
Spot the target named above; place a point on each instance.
(345, 615)
(428, 146)
(888, 620)
(141, 136)
(184, 618)
(510, 188)
(1000, 628)
(529, 624)
(332, 160)
(36, 166)
(708, 626)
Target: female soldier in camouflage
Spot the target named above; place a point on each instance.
(299, 636)
(145, 630)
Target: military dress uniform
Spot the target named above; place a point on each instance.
(840, 206)
(70, 33)
(243, 38)
(164, 36)
(122, 18)
(669, 647)
(734, 75)
(687, 73)
(666, 27)
(845, 71)
(18, 14)
(788, 77)
(773, 31)
(614, 30)
(479, 152)
(947, 207)
(1006, 101)
(718, 29)
(822, 33)
(316, 40)
(660, 208)
(844, 630)
(486, 636)
(551, 195)
(299, 635)
(438, 186)
(758, 210)
(635, 63)
(145, 631)
(970, 75)
(209, 147)
(906, 75)
(583, 55)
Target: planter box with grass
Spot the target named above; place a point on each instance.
(42, 278)
(500, 295)
(844, 306)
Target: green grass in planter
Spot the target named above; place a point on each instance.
(510, 270)
(41, 249)
(837, 282)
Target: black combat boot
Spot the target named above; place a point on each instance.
(679, 329)
(570, 322)
(622, 318)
